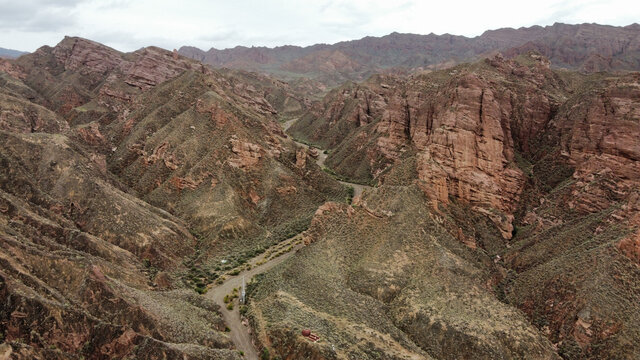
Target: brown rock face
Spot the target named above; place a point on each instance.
(463, 131)
(630, 247)
(600, 139)
(154, 66)
(148, 67)
(86, 56)
(99, 70)
(467, 151)
(247, 155)
(7, 67)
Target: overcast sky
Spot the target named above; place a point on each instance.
(131, 24)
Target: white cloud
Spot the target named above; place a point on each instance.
(128, 25)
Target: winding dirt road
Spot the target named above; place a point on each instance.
(358, 189)
(240, 334)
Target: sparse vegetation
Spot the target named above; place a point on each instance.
(350, 193)
(570, 350)
(235, 272)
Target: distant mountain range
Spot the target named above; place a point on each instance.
(585, 47)
(11, 54)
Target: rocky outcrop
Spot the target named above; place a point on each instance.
(247, 155)
(103, 75)
(599, 135)
(153, 66)
(7, 67)
(581, 204)
(145, 68)
(464, 130)
(85, 56)
(467, 151)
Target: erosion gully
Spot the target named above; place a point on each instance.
(240, 334)
(358, 189)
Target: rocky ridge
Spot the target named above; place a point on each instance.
(125, 177)
(585, 47)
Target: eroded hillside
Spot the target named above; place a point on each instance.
(529, 176)
(125, 178)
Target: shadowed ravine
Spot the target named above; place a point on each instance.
(358, 189)
(239, 333)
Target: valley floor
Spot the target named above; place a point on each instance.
(358, 189)
(240, 333)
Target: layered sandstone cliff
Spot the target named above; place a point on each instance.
(463, 126)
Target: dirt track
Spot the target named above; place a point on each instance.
(358, 189)
(240, 333)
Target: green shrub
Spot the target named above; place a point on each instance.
(264, 355)
(570, 350)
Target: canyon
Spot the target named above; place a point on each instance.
(461, 198)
